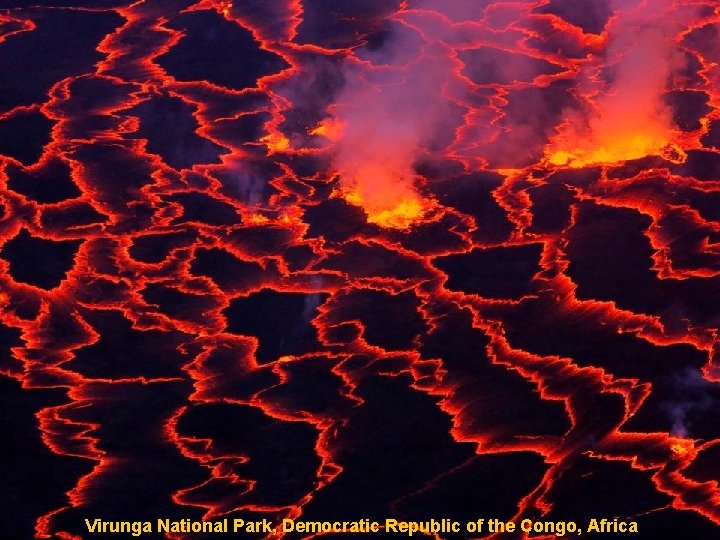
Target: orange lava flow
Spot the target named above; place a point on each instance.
(626, 115)
(330, 128)
(387, 202)
(613, 148)
(269, 281)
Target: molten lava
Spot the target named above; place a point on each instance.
(624, 113)
(388, 201)
(607, 142)
(181, 286)
(275, 142)
(621, 148)
(331, 128)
